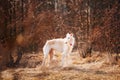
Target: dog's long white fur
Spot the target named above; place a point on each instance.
(63, 45)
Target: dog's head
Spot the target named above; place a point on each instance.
(70, 38)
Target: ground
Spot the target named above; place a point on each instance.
(90, 68)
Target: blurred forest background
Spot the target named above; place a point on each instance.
(25, 25)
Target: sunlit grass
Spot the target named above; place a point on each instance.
(90, 68)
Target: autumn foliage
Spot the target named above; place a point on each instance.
(29, 23)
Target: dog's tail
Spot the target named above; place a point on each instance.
(46, 48)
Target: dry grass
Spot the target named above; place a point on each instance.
(91, 68)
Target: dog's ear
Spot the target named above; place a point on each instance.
(67, 34)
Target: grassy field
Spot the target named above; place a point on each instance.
(90, 68)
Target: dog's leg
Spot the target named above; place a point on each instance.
(51, 54)
(64, 55)
(68, 59)
(63, 59)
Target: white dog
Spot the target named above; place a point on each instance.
(63, 45)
